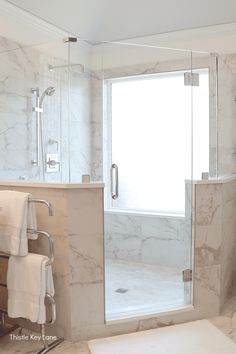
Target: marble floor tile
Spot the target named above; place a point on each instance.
(137, 288)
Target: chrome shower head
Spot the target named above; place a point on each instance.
(49, 92)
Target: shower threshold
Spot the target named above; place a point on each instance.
(140, 290)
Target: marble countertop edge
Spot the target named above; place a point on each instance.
(31, 184)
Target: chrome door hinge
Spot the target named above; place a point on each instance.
(187, 275)
(191, 79)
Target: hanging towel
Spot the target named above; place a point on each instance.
(28, 281)
(16, 215)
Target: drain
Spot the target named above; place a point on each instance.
(121, 291)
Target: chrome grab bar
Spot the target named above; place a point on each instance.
(114, 194)
(42, 201)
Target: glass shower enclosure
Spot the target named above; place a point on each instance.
(130, 115)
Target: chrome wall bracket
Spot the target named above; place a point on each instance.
(70, 40)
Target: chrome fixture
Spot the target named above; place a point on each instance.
(114, 181)
(38, 109)
(52, 163)
(53, 142)
(45, 202)
(70, 39)
(48, 92)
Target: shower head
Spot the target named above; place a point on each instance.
(49, 92)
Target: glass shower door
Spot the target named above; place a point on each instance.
(148, 170)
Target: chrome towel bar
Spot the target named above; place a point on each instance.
(45, 202)
(5, 330)
(51, 247)
(51, 243)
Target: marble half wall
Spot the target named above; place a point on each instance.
(77, 228)
(215, 238)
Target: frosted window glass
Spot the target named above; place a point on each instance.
(151, 140)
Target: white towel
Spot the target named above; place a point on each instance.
(16, 215)
(28, 281)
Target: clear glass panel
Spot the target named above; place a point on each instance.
(148, 136)
(80, 93)
(204, 110)
(33, 94)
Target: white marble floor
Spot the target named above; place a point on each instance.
(226, 323)
(136, 288)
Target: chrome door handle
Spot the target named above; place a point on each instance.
(114, 181)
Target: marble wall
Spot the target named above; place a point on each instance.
(226, 119)
(77, 228)
(147, 239)
(215, 239)
(66, 116)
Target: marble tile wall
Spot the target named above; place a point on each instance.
(147, 239)
(215, 239)
(226, 120)
(228, 240)
(66, 116)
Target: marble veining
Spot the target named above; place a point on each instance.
(135, 288)
(65, 119)
(226, 322)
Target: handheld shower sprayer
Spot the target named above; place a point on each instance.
(38, 109)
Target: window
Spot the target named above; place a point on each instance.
(151, 141)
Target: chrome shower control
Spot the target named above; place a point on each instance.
(52, 163)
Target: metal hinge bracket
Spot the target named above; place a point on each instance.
(191, 79)
(187, 275)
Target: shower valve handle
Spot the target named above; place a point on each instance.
(53, 163)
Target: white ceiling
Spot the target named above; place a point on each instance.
(120, 19)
